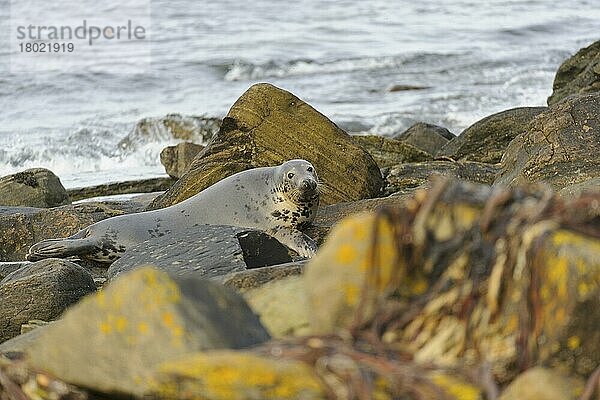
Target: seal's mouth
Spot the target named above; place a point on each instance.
(308, 190)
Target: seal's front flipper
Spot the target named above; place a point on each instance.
(295, 240)
(58, 248)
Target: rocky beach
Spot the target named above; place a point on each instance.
(458, 265)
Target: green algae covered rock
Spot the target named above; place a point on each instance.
(267, 126)
(112, 341)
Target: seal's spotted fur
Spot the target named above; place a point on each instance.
(281, 201)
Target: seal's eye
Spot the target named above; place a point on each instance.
(290, 175)
(309, 169)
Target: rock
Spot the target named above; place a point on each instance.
(543, 384)
(197, 129)
(560, 146)
(222, 374)
(41, 290)
(204, 251)
(580, 74)
(21, 227)
(18, 345)
(427, 137)
(36, 187)
(388, 152)
(177, 159)
(8, 267)
(252, 278)
(150, 185)
(525, 263)
(314, 368)
(328, 216)
(267, 126)
(411, 175)
(281, 306)
(137, 322)
(486, 140)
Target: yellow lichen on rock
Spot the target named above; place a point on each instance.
(336, 276)
(231, 375)
(456, 388)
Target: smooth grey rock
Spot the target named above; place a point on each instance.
(41, 290)
(9, 267)
(428, 137)
(205, 251)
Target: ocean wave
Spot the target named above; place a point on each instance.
(243, 70)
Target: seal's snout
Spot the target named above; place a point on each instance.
(309, 184)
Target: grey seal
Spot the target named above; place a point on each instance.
(281, 201)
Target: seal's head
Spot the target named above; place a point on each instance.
(299, 181)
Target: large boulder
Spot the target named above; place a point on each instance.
(177, 159)
(559, 147)
(463, 271)
(487, 139)
(267, 126)
(204, 251)
(36, 187)
(428, 137)
(22, 227)
(387, 152)
(112, 341)
(41, 290)
(579, 74)
(411, 175)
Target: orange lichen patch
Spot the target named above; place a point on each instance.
(224, 374)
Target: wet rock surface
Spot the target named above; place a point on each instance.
(36, 187)
(41, 290)
(267, 126)
(205, 251)
(486, 140)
